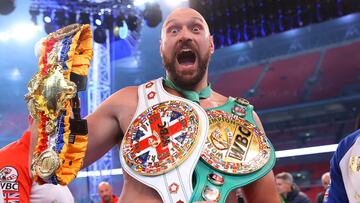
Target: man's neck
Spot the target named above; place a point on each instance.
(200, 85)
(192, 95)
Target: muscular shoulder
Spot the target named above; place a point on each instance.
(123, 100)
(124, 94)
(117, 104)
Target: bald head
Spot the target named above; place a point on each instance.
(181, 13)
(325, 179)
(104, 184)
(105, 192)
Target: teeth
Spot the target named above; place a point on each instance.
(186, 49)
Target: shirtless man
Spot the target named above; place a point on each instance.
(110, 121)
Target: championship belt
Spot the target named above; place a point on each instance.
(65, 57)
(236, 152)
(164, 141)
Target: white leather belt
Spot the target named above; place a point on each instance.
(164, 141)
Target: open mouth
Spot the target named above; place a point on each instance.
(186, 57)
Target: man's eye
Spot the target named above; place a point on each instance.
(174, 30)
(196, 29)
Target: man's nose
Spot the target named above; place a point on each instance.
(185, 36)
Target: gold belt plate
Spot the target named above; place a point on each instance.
(234, 145)
(46, 164)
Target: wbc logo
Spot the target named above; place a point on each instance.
(8, 179)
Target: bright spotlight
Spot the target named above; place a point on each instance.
(47, 19)
(47, 16)
(123, 32)
(17, 32)
(4, 36)
(97, 19)
(15, 74)
(98, 22)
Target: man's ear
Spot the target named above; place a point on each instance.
(212, 46)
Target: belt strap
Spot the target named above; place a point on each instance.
(215, 185)
(174, 186)
(231, 182)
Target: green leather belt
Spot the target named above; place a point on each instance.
(236, 152)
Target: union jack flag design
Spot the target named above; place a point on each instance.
(161, 137)
(11, 197)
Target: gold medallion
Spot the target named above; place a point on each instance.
(46, 164)
(234, 145)
(49, 94)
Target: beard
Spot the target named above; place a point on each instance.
(181, 79)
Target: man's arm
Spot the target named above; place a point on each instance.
(107, 124)
(258, 122)
(262, 190)
(232, 198)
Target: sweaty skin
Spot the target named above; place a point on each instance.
(183, 29)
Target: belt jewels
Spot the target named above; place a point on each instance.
(63, 66)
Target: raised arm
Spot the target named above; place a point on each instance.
(108, 123)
